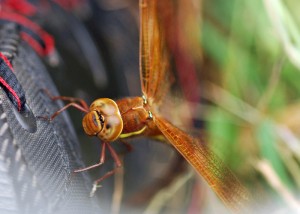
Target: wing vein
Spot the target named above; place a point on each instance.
(208, 165)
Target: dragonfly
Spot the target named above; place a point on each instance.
(110, 120)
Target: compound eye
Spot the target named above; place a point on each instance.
(105, 106)
(112, 128)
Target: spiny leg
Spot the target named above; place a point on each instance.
(69, 99)
(77, 103)
(102, 159)
(110, 173)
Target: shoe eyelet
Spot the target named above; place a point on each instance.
(26, 118)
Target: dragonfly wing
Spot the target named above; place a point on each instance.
(208, 165)
(154, 67)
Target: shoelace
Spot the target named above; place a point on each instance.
(10, 83)
(30, 32)
(15, 11)
(21, 6)
(33, 34)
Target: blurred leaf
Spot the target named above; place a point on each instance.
(286, 28)
(267, 139)
(278, 101)
(224, 137)
(213, 43)
(291, 80)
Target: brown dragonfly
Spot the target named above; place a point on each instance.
(110, 120)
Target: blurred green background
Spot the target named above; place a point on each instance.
(251, 52)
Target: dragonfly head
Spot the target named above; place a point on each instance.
(103, 120)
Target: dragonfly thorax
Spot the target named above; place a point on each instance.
(103, 120)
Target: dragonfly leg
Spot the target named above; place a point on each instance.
(69, 99)
(110, 173)
(75, 105)
(102, 159)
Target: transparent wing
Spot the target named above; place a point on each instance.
(154, 68)
(208, 165)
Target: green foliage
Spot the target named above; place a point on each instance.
(255, 48)
(267, 140)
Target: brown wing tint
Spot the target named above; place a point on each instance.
(208, 165)
(154, 72)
